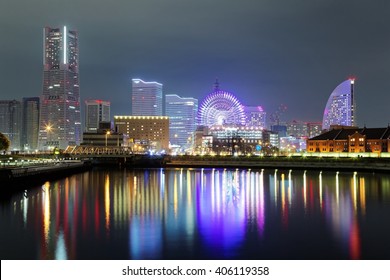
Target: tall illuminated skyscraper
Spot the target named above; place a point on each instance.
(147, 98)
(182, 113)
(340, 108)
(96, 111)
(60, 119)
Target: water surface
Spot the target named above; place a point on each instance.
(200, 214)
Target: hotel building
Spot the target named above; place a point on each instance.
(147, 98)
(145, 133)
(340, 108)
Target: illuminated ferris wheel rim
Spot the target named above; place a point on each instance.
(221, 107)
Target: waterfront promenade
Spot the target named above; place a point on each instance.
(17, 174)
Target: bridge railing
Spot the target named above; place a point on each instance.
(97, 150)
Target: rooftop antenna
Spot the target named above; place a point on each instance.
(216, 85)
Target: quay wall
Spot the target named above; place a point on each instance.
(23, 177)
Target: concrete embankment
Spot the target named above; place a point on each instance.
(357, 164)
(24, 177)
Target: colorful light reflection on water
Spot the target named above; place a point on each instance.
(200, 214)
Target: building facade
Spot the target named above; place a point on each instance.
(10, 122)
(145, 133)
(30, 123)
(314, 129)
(104, 139)
(182, 119)
(236, 139)
(301, 129)
(96, 111)
(351, 140)
(340, 108)
(60, 119)
(255, 116)
(147, 98)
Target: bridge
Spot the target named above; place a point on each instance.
(98, 151)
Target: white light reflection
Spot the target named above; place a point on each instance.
(175, 195)
(261, 220)
(25, 210)
(60, 253)
(181, 181)
(162, 182)
(276, 186)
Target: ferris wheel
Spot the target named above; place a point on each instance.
(220, 108)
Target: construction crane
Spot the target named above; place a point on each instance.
(275, 116)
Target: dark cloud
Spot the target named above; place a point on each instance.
(266, 52)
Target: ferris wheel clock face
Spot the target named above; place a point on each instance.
(219, 108)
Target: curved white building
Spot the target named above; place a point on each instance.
(340, 108)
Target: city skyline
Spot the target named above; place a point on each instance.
(264, 52)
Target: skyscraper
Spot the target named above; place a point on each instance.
(10, 121)
(30, 123)
(182, 118)
(147, 98)
(340, 108)
(60, 119)
(96, 111)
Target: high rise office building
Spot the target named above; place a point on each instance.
(147, 98)
(96, 111)
(182, 113)
(10, 121)
(30, 123)
(60, 119)
(340, 108)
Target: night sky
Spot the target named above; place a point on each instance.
(266, 52)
